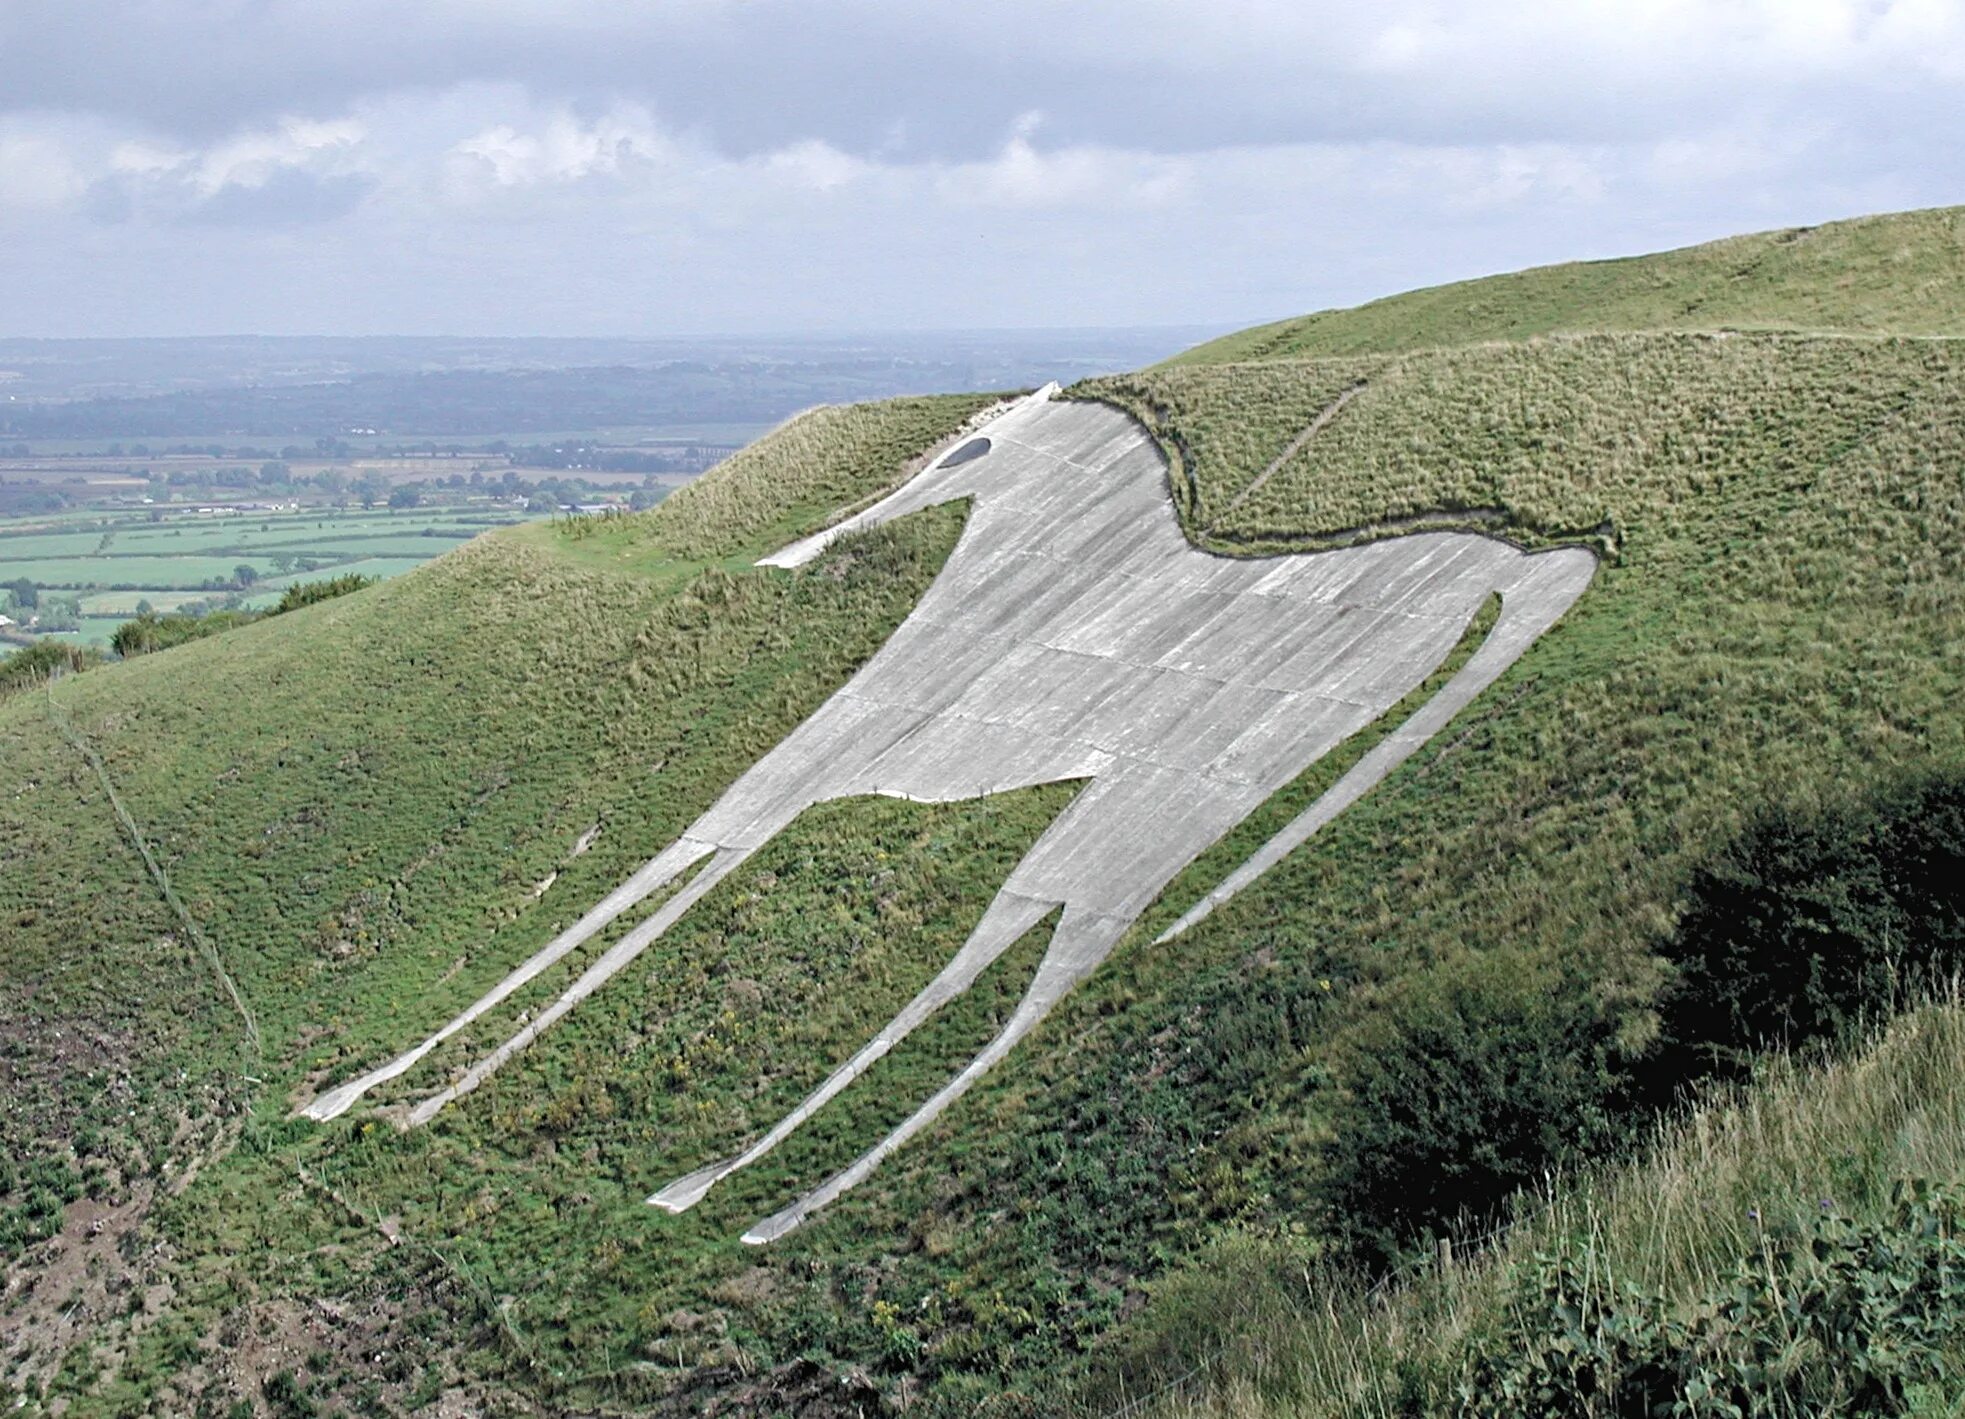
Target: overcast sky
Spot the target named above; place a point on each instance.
(665, 167)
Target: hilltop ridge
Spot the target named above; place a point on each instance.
(1899, 274)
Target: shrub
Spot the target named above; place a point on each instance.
(143, 634)
(1472, 1082)
(1811, 923)
(306, 593)
(43, 660)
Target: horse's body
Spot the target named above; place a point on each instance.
(1074, 633)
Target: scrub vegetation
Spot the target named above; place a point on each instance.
(1633, 1285)
(439, 771)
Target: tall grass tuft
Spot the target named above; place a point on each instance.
(1263, 1329)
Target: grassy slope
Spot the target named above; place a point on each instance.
(1272, 1333)
(1898, 274)
(396, 772)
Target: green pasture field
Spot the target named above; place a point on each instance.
(44, 545)
(162, 572)
(168, 562)
(95, 631)
(418, 546)
(187, 574)
(377, 567)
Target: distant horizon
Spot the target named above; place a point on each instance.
(789, 337)
(1200, 328)
(688, 379)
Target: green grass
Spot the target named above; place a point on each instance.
(122, 604)
(1260, 1328)
(1901, 274)
(359, 802)
(162, 572)
(1612, 438)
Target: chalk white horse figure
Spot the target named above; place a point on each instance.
(1075, 634)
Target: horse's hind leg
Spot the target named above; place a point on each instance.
(611, 960)
(1082, 940)
(1094, 849)
(664, 868)
(1008, 918)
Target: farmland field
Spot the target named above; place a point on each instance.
(117, 604)
(186, 547)
(116, 560)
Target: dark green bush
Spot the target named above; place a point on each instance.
(149, 632)
(1475, 1080)
(1811, 924)
(26, 668)
(306, 593)
(1470, 1083)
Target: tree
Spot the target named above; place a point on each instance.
(283, 562)
(144, 608)
(60, 613)
(245, 574)
(405, 497)
(26, 595)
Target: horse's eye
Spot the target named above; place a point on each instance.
(975, 448)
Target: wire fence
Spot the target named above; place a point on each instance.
(195, 933)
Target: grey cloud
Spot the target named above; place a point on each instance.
(704, 166)
(290, 197)
(756, 75)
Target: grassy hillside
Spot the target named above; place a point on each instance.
(367, 810)
(1902, 274)
(1809, 1156)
